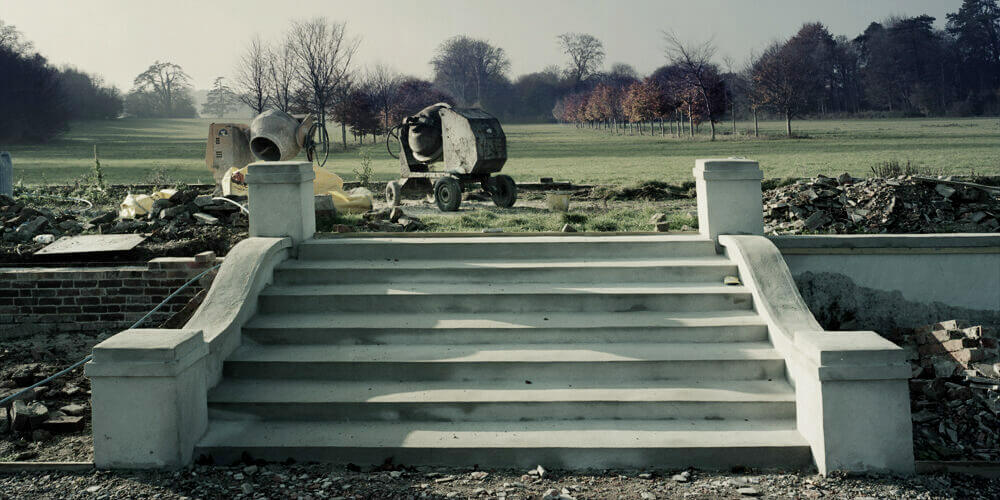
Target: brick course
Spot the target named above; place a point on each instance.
(92, 299)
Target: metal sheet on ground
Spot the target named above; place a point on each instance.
(93, 243)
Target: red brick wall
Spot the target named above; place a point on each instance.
(92, 299)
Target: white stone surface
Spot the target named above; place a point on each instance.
(281, 199)
(729, 197)
(852, 397)
(149, 398)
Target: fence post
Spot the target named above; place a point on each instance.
(6, 174)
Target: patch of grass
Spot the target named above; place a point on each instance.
(619, 218)
(132, 148)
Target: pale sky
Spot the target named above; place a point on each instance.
(120, 38)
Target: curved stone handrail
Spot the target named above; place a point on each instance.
(851, 391)
(231, 301)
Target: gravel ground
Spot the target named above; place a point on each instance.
(325, 481)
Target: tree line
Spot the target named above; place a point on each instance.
(38, 100)
(901, 66)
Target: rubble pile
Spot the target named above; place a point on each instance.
(955, 391)
(905, 204)
(56, 409)
(183, 220)
(388, 220)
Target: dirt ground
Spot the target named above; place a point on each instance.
(26, 361)
(339, 482)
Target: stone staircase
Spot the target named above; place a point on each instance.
(567, 351)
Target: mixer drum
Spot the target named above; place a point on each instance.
(424, 136)
(274, 136)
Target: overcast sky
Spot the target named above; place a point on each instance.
(120, 38)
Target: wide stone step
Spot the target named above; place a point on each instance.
(557, 444)
(662, 270)
(305, 399)
(541, 363)
(511, 298)
(507, 247)
(486, 328)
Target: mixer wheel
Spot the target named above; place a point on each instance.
(448, 194)
(393, 194)
(503, 191)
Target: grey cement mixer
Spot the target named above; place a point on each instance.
(272, 136)
(472, 147)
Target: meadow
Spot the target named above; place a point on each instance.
(148, 151)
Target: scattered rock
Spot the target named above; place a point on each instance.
(205, 219)
(748, 492)
(683, 477)
(895, 205)
(63, 424)
(104, 218)
(40, 435)
(658, 217)
(662, 227)
(568, 228)
(27, 416)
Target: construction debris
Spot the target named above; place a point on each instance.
(391, 220)
(905, 204)
(955, 391)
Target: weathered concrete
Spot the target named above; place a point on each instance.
(149, 398)
(281, 199)
(958, 270)
(729, 197)
(852, 399)
(232, 299)
(149, 386)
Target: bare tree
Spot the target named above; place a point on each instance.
(697, 69)
(323, 54)
(382, 84)
(466, 67)
(281, 76)
(165, 81)
(586, 54)
(753, 92)
(252, 76)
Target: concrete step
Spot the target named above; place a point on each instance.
(486, 328)
(662, 270)
(541, 363)
(511, 298)
(304, 399)
(507, 247)
(556, 444)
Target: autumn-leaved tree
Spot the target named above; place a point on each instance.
(641, 102)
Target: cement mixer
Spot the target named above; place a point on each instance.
(471, 145)
(272, 136)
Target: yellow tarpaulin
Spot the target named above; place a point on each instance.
(357, 200)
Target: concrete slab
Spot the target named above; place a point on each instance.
(93, 243)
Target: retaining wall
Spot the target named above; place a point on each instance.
(92, 299)
(885, 282)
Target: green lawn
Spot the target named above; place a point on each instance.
(138, 151)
